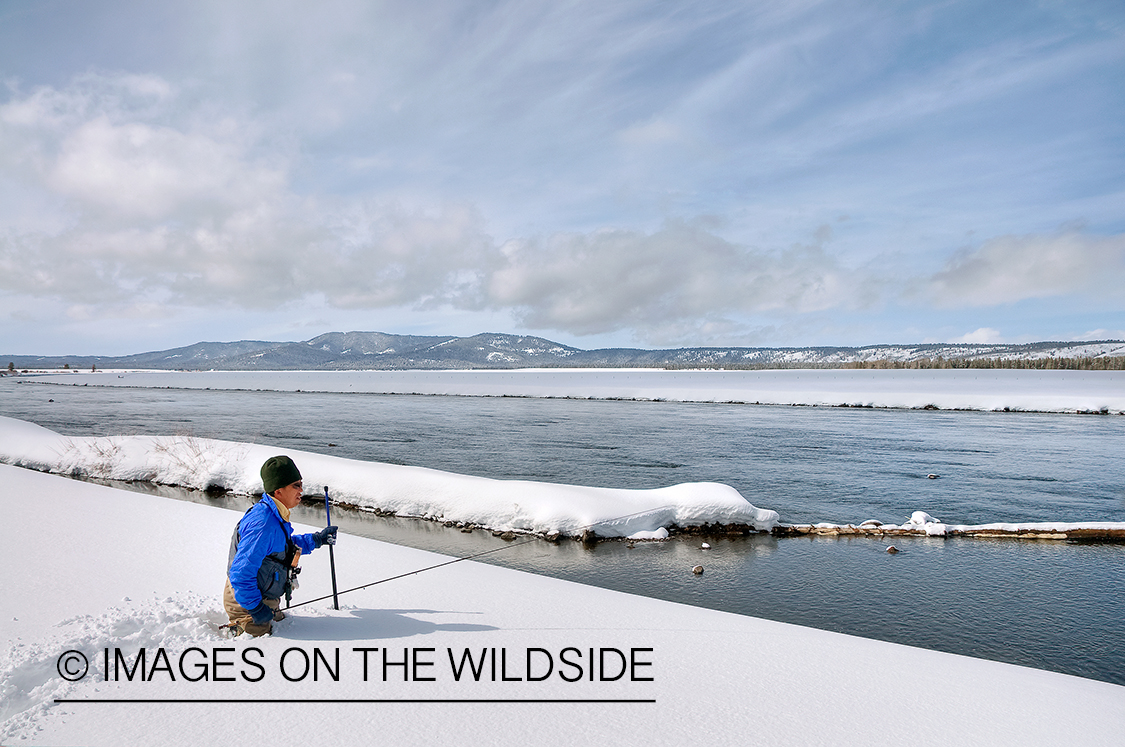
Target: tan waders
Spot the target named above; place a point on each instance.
(241, 618)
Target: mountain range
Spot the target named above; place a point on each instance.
(376, 350)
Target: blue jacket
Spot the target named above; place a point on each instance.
(261, 532)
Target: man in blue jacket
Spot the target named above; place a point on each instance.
(264, 549)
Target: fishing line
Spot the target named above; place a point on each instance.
(468, 557)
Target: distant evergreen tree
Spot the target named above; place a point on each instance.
(1102, 363)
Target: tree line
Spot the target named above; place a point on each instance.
(1084, 363)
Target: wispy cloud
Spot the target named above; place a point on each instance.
(982, 335)
(155, 208)
(607, 280)
(664, 173)
(1009, 269)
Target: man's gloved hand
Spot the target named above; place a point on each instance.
(325, 536)
(262, 614)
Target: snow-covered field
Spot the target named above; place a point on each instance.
(107, 574)
(985, 389)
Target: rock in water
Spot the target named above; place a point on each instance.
(698, 570)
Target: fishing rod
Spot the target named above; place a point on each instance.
(331, 550)
(334, 595)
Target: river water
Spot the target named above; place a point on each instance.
(1052, 605)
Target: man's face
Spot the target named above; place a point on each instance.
(290, 495)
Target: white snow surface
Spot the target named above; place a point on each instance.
(90, 568)
(934, 528)
(927, 523)
(954, 389)
(921, 517)
(920, 520)
(519, 505)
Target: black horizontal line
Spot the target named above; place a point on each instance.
(355, 700)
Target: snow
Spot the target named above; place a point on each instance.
(935, 528)
(92, 568)
(921, 523)
(518, 505)
(931, 526)
(973, 389)
(502, 505)
(659, 534)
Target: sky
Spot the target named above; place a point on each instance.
(626, 173)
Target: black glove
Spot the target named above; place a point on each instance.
(262, 614)
(325, 536)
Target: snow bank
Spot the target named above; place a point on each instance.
(90, 569)
(517, 505)
(972, 389)
(928, 524)
(921, 523)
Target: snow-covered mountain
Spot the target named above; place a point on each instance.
(376, 350)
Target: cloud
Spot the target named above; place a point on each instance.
(139, 171)
(153, 202)
(133, 196)
(382, 255)
(1102, 334)
(609, 279)
(125, 149)
(142, 196)
(982, 335)
(1009, 269)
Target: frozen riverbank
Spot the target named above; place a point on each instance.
(713, 675)
(988, 390)
(506, 505)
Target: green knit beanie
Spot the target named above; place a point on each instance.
(278, 472)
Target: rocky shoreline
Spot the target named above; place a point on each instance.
(919, 527)
(1082, 531)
